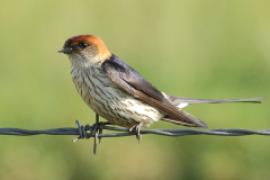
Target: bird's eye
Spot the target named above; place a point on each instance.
(83, 45)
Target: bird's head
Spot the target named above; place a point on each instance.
(85, 50)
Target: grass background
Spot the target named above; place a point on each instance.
(207, 49)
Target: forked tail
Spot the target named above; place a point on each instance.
(181, 102)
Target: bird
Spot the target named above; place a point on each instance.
(119, 94)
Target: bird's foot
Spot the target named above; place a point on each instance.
(137, 130)
(97, 129)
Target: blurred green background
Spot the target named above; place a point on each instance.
(190, 48)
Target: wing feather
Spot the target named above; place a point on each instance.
(134, 84)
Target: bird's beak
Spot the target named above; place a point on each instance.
(65, 50)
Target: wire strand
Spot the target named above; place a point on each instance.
(115, 131)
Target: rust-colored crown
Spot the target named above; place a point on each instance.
(102, 50)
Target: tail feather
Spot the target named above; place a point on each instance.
(183, 102)
(189, 120)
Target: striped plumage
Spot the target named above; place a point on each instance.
(110, 102)
(118, 93)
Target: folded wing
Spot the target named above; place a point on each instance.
(133, 83)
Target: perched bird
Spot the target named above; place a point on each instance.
(120, 94)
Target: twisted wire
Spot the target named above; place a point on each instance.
(87, 131)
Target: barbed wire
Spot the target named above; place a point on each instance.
(90, 131)
(87, 131)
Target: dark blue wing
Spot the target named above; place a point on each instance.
(132, 77)
(133, 83)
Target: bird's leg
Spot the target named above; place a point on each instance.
(137, 129)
